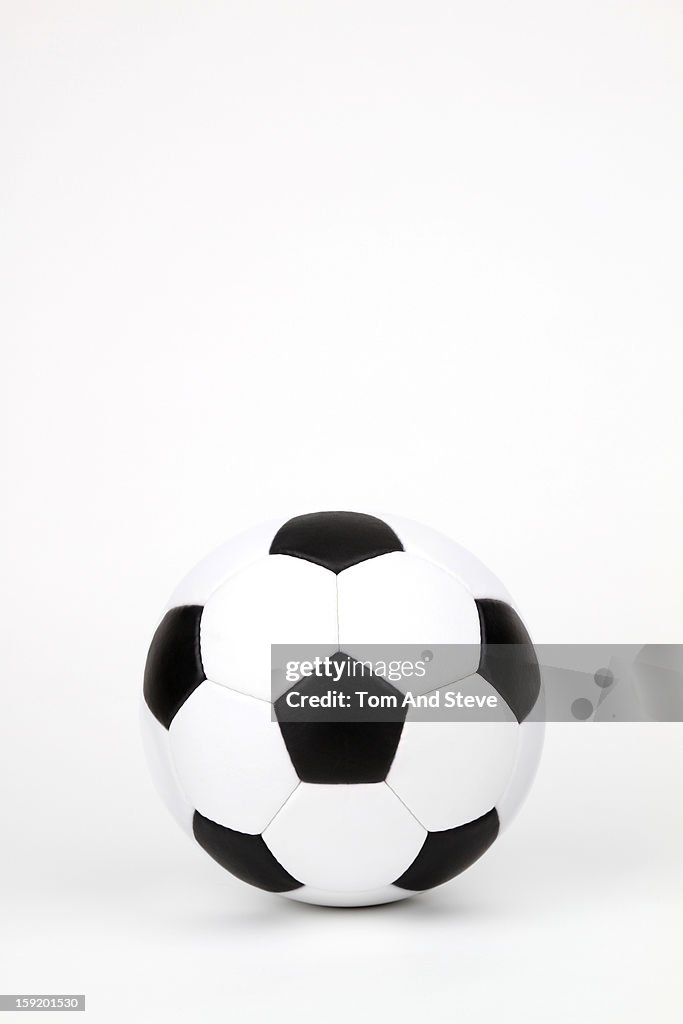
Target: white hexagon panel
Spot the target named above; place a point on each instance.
(345, 838)
(402, 599)
(230, 759)
(277, 600)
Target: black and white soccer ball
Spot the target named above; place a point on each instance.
(348, 814)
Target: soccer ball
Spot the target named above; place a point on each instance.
(348, 813)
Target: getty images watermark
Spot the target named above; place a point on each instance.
(493, 682)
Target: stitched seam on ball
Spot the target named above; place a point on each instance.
(280, 808)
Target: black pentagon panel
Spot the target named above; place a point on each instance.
(508, 660)
(342, 746)
(174, 664)
(445, 854)
(335, 540)
(245, 856)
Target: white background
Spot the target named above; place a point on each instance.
(276, 257)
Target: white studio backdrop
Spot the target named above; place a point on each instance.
(278, 257)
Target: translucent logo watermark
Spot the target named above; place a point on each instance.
(481, 682)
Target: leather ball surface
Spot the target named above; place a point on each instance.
(342, 814)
